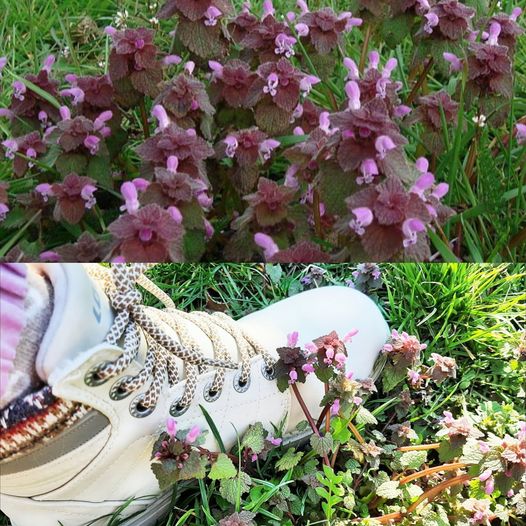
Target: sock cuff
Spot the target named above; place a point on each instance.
(13, 291)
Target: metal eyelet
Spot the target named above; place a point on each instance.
(92, 378)
(239, 386)
(116, 391)
(209, 395)
(177, 409)
(138, 410)
(268, 372)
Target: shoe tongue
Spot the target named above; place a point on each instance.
(80, 320)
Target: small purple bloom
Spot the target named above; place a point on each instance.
(455, 62)
(353, 94)
(192, 435)
(92, 142)
(267, 244)
(129, 193)
(520, 130)
(411, 227)
(231, 145)
(383, 144)
(171, 427)
(162, 117)
(266, 148)
(211, 15)
(363, 218)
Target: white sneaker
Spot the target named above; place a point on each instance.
(98, 456)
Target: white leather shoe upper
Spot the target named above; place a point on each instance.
(115, 464)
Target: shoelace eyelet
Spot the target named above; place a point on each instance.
(176, 409)
(116, 391)
(239, 386)
(209, 395)
(92, 378)
(268, 372)
(138, 410)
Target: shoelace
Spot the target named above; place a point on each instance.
(131, 317)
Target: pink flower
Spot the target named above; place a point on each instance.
(352, 69)
(363, 218)
(268, 9)
(129, 193)
(91, 142)
(176, 214)
(211, 16)
(3, 211)
(413, 376)
(267, 244)
(45, 190)
(217, 69)
(11, 147)
(520, 133)
(274, 441)
(76, 93)
(302, 29)
(349, 336)
(170, 60)
(411, 227)
(49, 256)
(192, 435)
(335, 407)
(340, 358)
(431, 22)
(19, 90)
(87, 194)
(266, 148)
(357, 400)
(454, 61)
(307, 368)
(65, 113)
(307, 82)
(293, 376)
(292, 339)
(353, 94)
(368, 169)
(162, 117)
(171, 427)
(284, 45)
(231, 145)
(272, 84)
(383, 144)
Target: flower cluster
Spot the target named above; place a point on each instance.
(263, 143)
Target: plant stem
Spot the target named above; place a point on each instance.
(421, 447)
(323, 414)
(356, 433)
(144, 119)
(365, 47)
(430, 471)
(420, 81)
(327, 420)
(428, 495)
(433, 492)
(309, 417)
(316, 212)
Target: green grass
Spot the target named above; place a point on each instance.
(490, 199)
(474, 313)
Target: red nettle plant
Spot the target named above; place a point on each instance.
(265, 142)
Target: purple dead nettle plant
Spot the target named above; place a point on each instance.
(249, 151)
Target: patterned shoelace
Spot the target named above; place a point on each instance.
(160, 364)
